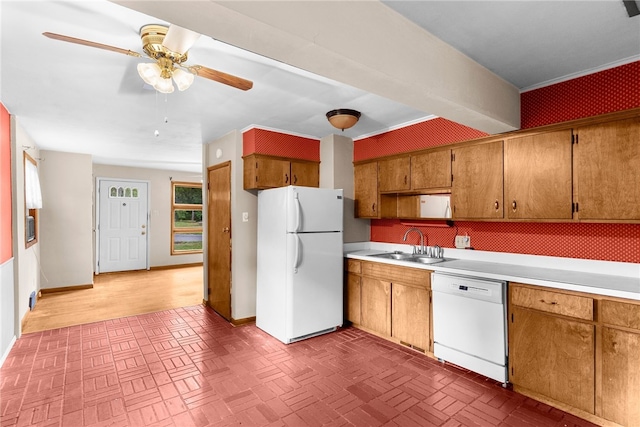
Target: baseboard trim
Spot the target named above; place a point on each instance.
(240, 322)
(171, 267)
(65, 289)
(6, 352)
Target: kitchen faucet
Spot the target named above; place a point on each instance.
(421, 250)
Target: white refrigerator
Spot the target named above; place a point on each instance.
(299, 272)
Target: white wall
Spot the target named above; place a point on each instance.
(243, 234)
(7, 309)
(26, 265)
(66, 237)
(336, 171)
(160, 220)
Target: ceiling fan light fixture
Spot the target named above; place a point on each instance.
(163, 85)
(343, 118)
(149, 72)
(182, 78)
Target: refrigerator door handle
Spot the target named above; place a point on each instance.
(298, 212)
(298, 252)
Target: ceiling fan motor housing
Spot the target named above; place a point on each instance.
(152, 36)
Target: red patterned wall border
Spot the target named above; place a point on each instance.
(280, 144)
(607, 242)
(430, 133)
(615, 89)
(5, 185)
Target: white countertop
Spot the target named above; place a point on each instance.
(567, 274)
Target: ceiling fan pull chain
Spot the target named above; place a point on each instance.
(157, 132)
(166, 108)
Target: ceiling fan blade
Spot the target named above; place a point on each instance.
(221, 77)
(91, 44)
(179, 39)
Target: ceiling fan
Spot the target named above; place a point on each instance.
(168, 47)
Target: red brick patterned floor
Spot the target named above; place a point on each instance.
(188, 367)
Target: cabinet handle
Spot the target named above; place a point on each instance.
(514, 206)
(496, 205)
(373, 207)
(295, 179)
(405, 179)
(550, 303)
(286, 178)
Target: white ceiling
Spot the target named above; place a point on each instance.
(79, 99)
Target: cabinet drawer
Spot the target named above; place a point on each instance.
(552, 302)
(394, 273)
(354, 266)
(620, 314)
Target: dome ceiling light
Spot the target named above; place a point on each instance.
(343, 118)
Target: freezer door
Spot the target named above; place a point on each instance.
(314, 209)
(314, 283)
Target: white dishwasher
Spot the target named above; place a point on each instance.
(469, 318)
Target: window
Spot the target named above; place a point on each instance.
(186, 214)
(32, 200)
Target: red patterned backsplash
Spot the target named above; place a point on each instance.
(280, 144)
(606, 242)
(615, 89)
(430, 133)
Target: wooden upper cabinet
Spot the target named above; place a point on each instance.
(607, 165)
(262, 172)
(477, 186)
(366, 190)
(538, 176)
(306, 174)
(394, 174)
(431, 170)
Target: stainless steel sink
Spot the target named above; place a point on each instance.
(428, 259)
(401, 256)
(395, 255)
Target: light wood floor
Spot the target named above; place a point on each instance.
(118, 295)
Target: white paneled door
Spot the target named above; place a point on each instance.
(123, 228)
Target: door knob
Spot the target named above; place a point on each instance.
(225, 230)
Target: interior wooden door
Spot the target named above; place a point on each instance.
(538, 176)
(219, 239)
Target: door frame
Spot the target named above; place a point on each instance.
(96, 216)
(207, 254)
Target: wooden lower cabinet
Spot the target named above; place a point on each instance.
(353, 296)
(410, 315)
(391, 301)
(620, 401)
(553, 356)
(376, 305)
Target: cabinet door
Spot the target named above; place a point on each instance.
(621, 376)
(538, 176)
(410, 315)
(394, 174)
(607, 163)
(306, 174)
(366, 190)
(476, 192)
(553, 356)
(376, 305)
(431, 170)
(352, 298)
(271, 173)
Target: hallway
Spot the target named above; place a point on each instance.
(117, 295)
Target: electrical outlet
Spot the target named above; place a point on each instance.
(463, 242)
(245, 216)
